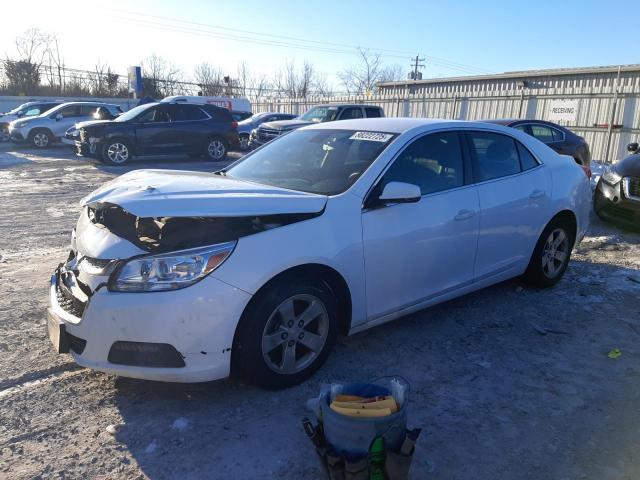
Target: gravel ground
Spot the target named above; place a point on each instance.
(497, 393)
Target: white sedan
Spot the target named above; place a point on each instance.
(331, 229)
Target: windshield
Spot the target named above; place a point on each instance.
(253, 118)
(134, 112)
(327, 162)
(320, 114)
(17, 109)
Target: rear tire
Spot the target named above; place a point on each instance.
(116, 152)
(216, 149)
(551, 255)
(244, 142)
(285, 333)
(40, 138)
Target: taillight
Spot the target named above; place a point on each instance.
(587, 171)
(234, 124)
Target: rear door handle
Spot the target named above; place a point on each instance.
(537, 194)
(465, 214)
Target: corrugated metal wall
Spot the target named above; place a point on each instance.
(491, 98)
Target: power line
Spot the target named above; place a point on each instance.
(416, 64)
(285, 42)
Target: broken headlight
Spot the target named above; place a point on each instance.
(169, 271)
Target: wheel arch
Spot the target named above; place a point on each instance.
(46, 130)
(569, 217)
(122, 138)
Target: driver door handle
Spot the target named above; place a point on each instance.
(537, 194)
(465, 214)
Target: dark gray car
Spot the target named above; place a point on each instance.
(322, 113)
(245, 127)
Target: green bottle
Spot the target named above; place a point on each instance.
(376, 459)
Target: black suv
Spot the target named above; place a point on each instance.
(160, 129)
(322, 113)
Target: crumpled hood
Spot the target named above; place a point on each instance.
(177, 193)
(286, 124)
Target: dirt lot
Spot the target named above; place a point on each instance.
(497, 398)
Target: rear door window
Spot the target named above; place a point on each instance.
(493, 155)
(70, 111)
(542, 132)
(558, 136)
(185, 113)
(88, 110)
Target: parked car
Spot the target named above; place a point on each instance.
(333, 228)
(320, 114)
(26, 110)
(234, 104)
(246, 126)
(240, 116)
(160, 129)
(561, 139)
(51, 126)
(72, 135)
(617, 195)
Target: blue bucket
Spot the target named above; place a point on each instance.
(351, 437)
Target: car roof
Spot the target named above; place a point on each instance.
(380, 124)
(344, 105)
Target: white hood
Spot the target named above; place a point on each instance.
(177, 193)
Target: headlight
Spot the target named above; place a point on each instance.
(610, 176)
(17, 124)
(169, 271)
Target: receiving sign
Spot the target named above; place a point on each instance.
(562, 110)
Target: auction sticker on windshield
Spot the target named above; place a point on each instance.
(371, 136)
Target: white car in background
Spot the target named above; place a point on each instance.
(51, 126)
(333, 228)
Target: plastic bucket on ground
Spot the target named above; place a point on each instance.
(351, 436)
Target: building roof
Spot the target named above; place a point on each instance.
(520, 74)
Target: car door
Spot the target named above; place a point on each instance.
(65, 118)
(415, 251)
(514, 191)
(188, 130)
(152, 128)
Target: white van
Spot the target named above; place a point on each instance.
(234, 104)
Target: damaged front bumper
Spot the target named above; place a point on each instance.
(177, 336)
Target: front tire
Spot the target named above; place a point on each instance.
(216, 149)
(116, 152)
(286, 333)
(40, 138)
(551, 255)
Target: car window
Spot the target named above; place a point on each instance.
(88, 110)
(522, 128)
(494, 155)
(351, 112)
(433, 162)
(558, 136)
(318, 161)
(527, 160)
(542, 132)
(154, 115)
(372, 112)
(32, 111)
(70, 111)
(188, 112)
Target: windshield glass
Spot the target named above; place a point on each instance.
(327, 162)
(253, 118)
(133, 113)
(17, 109)
(320, 114)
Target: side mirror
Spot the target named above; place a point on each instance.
(632, 147)
(59, 117)
(20, 114)
(400, 192)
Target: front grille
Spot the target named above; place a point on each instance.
(267, 134)
(633, 188)
(68, 302)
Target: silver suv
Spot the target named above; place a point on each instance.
(51, 126)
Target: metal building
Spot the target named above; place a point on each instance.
(600, 103)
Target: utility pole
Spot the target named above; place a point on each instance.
(416, 63)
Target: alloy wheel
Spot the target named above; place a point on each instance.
(41, 139)
(555, 253)
(216, 149)
(118, 153)
(295, 334)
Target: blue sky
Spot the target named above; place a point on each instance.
(456, 37)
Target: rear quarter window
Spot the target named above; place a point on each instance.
(217, 113)
(372, 112)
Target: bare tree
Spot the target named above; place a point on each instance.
(209, 78)
(370, 70)
(23, 73)
(160, 77)
(249, 84)
(322, 86)
(295, 82)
